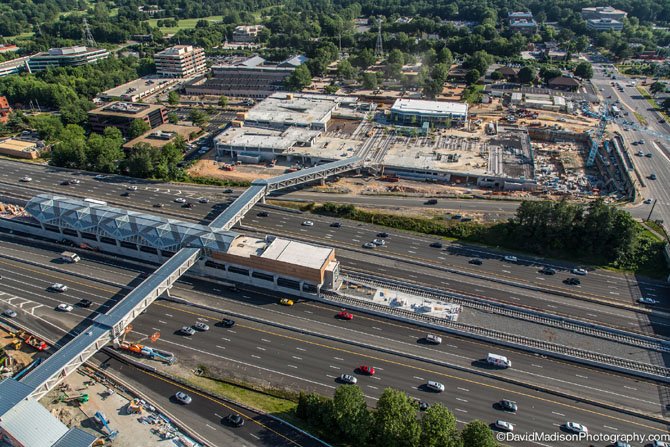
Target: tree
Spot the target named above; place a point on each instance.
(173, 98)
(140, 162)
(395, 423)
(657, 87)
(549, 73)
(496, 76)
(300, 78)
(479, 60)
(198, 117)
(472, 76)
(137, 128)
(48, 126)
(350, 414)
(584, 70)
(478, 434)
(395, 57)
(438, 428)
(105, 151)
(223, 101)
(526, 75)
(369, 80)
(173, 118)
(70, 151)
(345, 70)
(364, 59)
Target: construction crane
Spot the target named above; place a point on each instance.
(599, 135)
(100, 417)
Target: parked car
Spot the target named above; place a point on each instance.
(652, 177)
(183, 397)
(423, 406)
(63, 307)
(649, 155)
(201, 326)
(187, 330)
(648, 201)
(348, 379)
(234, 419)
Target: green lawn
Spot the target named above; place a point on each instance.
(643, 91)
(183, 23)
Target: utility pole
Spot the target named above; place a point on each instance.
(88, 37)
(652, 209)
(379, 50)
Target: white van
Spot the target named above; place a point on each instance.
(498, 360)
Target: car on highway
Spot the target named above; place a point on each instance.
(74, 181)
(63, 307)
(132, 188)
(648, 201)
(647, 300)
(574, 427)
(572, 281)
(58, 287)
(369, 245)
(201, 326)
(307, 223)
(383, 234)
(436, 244)
(203, 200)
(227, 322)
(187, 330)
(187, 205)
(639, 153)
(85, 303)
(423, 406)
(9, 313)
(510, 258)
(503, 425)
(125, 194)
(430, 202)
(336, 225)
(348, 379)
(26, 179)
(344, 315)
(652, 177)
(508, 405)
(579, 271)
(368, 370)
(263, 214)
(649, 155)
(286, 302)
(227, 191)
(379, 242)
(100, 177)
(547, 270)
(183, 397)
(475, 261)
(159, 205)
(180, 200)
(234, 419)
(435, 386)
(433, 339)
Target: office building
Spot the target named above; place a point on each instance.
(416, 111)
(180, 61)
(246, 33)
(66, 57)
(604, 25)
(603, 12)
(249, 77)
(122, 114)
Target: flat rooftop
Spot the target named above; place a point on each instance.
(296, 108)
(162, 135)
(138, 87)
(17, 145)
(254, 138)
(125, 109)
(421, 106)
(297, 253)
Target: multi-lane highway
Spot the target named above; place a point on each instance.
(285, 357)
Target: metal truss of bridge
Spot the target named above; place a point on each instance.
(18, 412)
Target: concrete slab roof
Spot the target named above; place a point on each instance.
(297, 253)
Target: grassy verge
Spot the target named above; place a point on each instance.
(215, 182)
(183, 23)
(641, 119)
(652, 102)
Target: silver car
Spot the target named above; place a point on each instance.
(435, 386)
(201, 326)
(183, 397)
(348, 378)
(187, 330)
(10, 313)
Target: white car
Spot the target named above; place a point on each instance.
(504, 425)
(579, 271)
(10, 313)
(75, 181)
(368, 245)
(201, 326)
(576, 428)
(380, 242)
(183, 397)
(100, 177)
(203, 200)
(510, 258)
(132, 188)
(308, 223)
(58, 287)
(349, 379)
(26, 179)
(63, 307)
(648, 201)
(646, 300)
(435, 386)
(180, 200)
(659, 444)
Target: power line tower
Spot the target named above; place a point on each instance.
(379, 50)
(88, 37)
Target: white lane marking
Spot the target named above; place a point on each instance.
(331, 377)
(373, 387)
(410, 251)
(296, 357)
(210, 427)
(464, 389)
(262, 349)
(337, 358)
(611, 428)
(630, 388)
(292, 366)
(265, 340)
(168, 315)
(419, 378)
(557, 413)
(224, 338)
(537, 366)
(334, 367)
(579, 375)
(255, 356)
(254, 436)
(301, 349)
(376, 328)
(220, 347)
(506, 271)
(461, 400)
(614, 293)
(462, 411)
(308, 311)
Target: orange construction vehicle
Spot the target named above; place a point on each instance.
(36, 343)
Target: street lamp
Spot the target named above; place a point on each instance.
(652, 209)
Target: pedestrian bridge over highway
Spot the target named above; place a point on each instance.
(183, 245)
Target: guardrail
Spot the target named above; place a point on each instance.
(520, 313)
(569, 353)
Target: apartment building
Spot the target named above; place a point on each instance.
(66, 57)
(180, 61)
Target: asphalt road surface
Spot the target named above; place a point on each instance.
(307, 362)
